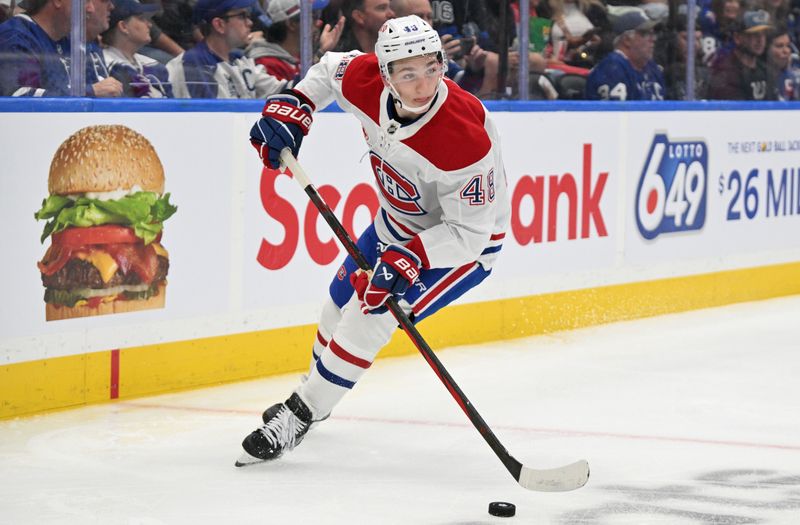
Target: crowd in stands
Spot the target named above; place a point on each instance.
(577, 49)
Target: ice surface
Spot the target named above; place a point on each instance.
(685, 419)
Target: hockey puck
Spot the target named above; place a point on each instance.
(502, 509)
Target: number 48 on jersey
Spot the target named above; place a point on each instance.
(671, 195)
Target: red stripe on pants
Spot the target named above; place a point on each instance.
(344, 355)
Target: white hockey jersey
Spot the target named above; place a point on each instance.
(440, 178)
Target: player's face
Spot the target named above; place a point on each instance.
(780, 51)
(416, 79)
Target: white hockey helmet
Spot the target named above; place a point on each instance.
(406, 37)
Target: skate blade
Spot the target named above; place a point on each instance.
(246, 460)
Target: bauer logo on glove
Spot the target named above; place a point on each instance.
(396, 270)
(285, 120)
(280, 108)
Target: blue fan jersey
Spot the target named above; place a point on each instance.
(36, 66)
(33, 64)
(614, 78)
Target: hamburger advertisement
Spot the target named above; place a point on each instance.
(104, 221)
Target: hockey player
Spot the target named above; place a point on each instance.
(435, 155)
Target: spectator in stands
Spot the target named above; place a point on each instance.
(140, 76)
(778, 10)
(793, 22)
(217, 66)
(742, 74)
(34, 50)
(162, 46)
(498, 34)
(577, 31)
(452, 46)
(673, 53)
(717, 25)
(364, 19)
(629, 73)
(424, 10)
(6, 10)
(781, 66)
(99, 82)
(279, 51)
(175, 21)
(539, 25)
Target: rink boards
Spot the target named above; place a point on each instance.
(616, 215)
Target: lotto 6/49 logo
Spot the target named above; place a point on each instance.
(671, 196)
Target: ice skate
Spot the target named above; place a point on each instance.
(284, 428)
(271, 411)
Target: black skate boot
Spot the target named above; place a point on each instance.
(283, 430)
(271, 411)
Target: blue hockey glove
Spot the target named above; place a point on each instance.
(285, 120)
(396, 270)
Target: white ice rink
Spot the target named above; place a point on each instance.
(685, 419)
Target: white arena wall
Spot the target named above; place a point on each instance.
(620, 211)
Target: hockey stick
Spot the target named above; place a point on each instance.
(568, 477)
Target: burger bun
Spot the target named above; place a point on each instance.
(54, 312)
(105, 158)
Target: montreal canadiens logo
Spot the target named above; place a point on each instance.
(400, 193)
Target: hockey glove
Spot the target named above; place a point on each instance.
(285, 120)
(396, 270)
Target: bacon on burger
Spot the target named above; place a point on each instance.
(104, 219)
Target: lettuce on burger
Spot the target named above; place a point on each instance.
(105, 215)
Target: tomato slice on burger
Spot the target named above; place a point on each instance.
(105, 234)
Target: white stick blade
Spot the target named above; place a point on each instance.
(562, 479)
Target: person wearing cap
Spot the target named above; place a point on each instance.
(140, 76)
(216, 67)
(279, 51)
(629, 73)
(34, 48)
(742, 74)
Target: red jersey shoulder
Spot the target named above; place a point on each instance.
(362, 85)
(456, 136)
